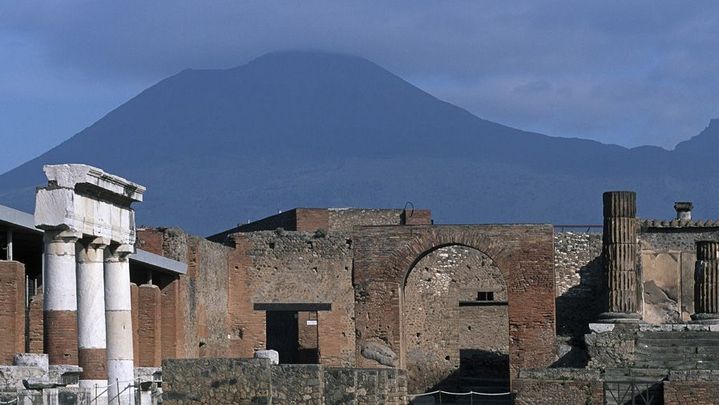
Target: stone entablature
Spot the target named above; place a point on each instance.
(86, 200)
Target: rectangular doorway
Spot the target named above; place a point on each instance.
(283, 335)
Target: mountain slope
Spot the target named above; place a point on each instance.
(218, 147)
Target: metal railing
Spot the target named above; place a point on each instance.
(632, 392)
(469, 400)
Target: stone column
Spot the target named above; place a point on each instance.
(118, 318)
(706, 283)
(619, 251)
(91, 312)
(60, 301)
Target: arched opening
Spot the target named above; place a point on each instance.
(455, 322)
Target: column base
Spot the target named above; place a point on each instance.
(619, 317)
(97, 390)
(706, 319)
(121, 373)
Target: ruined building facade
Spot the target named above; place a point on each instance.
(372, 305)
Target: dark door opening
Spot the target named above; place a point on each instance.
(283, 335)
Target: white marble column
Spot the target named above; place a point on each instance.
(91, 313)
(118, 318)
(60, 297)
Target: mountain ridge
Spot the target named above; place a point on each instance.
(215, 147)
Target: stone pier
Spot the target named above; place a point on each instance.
(619, 251)
(706, 283)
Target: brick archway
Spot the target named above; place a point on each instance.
(384, 256)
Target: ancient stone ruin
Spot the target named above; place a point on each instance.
(342, 306)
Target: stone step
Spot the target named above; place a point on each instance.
(676, 351)
(677, 342)
(678, 335)
(677, 364)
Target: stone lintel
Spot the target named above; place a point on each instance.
(71, 176)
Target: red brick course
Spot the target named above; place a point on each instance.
(691, 392)
(150, 326)
(61, 337)
(312, 219)
(93, 363)
(134, 311)
(12, 310)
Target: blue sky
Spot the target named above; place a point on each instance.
(631, 73)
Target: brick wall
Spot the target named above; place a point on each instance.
(150, 326)
(294, 267)
(135, 313)
(690, 392)
(194, 307)
(12, 310)
(524, 254)
(312, 219)
(695, 387)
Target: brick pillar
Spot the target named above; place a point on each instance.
(60, 289)
(92, 350)
(620, 257)
(12, 310)
(706, 283)
(135, 304)
(172, 323)
(150, 320)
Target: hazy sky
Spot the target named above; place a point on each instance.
(625, 72)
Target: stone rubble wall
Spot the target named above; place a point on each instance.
(255, 381)
(578, 275)
(558, 387)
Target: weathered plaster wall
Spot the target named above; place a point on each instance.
(668, 257)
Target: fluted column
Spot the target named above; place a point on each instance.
(91, 312)
(118, 318)
(706, 283)
(620, 257)
(60, 297)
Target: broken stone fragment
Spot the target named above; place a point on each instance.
(379, 353)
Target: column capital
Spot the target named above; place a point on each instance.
(90, 249)
(61, 235)
(118, 252)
